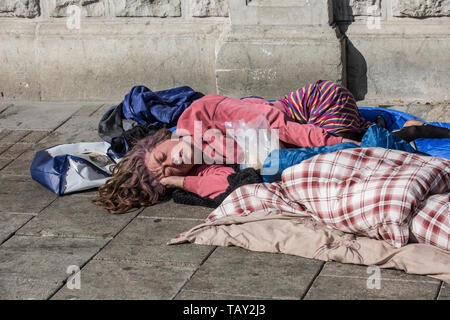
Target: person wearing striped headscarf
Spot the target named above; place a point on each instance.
(328, 105)
(332, 107)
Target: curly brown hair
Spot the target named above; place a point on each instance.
(132, 185)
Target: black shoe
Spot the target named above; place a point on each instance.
(381, 122)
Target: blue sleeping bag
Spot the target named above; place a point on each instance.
(281, 159)
(396, 119)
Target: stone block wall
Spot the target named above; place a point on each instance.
(385, 51)
(398, 51)
(273, 47)
(70, 50)
(120, 8)
(233, 47)
(421, 9)
(19, 8)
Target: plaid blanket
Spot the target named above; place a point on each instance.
(384, 194)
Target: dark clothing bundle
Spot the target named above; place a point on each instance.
(235, 180)
(143, 112)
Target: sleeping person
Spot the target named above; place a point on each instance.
(320, 114)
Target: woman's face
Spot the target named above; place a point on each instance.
(170, 158)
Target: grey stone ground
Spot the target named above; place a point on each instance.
(125, 256)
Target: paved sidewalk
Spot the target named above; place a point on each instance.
(125, 256)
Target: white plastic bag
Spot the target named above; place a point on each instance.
(255, 139)
(69, 168)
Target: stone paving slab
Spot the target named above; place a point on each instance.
(239, 272)
(76, 129)
(15, 195)
(23, 152)
(98, 114)
(75, 216)
(346, 281)
(37, 115)
(144, 239)
(89, 110)
(45, 257)
(27, 263)
(4, 106)
(4, 147)
(439, 113)
(9, 137)
(10, 223)
(4, 163)
(15, 288)
(20, 166)
(419, 111)
(204, 295)
(170, 209)
(346, 269)
(34, 136)
(127, 280)
(15, 159)
(444, 294)
(13, 151)
(91, 193)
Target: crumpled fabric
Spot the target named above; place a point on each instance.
(141, 106)
(235, 180)
(396, 119)
(281, 159)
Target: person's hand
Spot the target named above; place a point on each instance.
(173, 182)
(352, 141)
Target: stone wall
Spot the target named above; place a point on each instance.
(233, 47)
(421, 9)
(398, 51)
(386, 51)
(47, 54)
(19, 8)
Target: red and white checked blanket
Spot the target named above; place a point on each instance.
(383, 194)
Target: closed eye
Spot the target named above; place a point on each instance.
(160, 157)
(158, 171)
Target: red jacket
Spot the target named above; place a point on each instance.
(214, 110)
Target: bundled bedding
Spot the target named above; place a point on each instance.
(369, 206)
